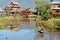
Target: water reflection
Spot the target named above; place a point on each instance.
(12, 25)
(20, 35)
(25, 30)
(48, 36)
(54, 35)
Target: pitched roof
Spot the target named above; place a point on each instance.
(14, 3)
(55, 3)
(56, 8)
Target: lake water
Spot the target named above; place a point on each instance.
(26, 30)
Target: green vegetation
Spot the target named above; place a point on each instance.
(52, 23)
(41, 6)
(57, 22)
(51, 0)
(6, 19)
(43, 9)
(2, 16)
(2, 28)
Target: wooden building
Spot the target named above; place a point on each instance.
(55, 7)
(15, 8)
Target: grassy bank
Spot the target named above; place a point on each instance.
(6, 19)
(52, 23)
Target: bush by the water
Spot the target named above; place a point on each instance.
(50, 23)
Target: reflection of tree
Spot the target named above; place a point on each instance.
(51, 35)
(39, 36)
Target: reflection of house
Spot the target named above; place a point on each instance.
(14, 8)
(55, 7)
(14, 28)
(12, 25)
(25, 20)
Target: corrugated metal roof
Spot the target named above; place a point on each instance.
(14, 3)
(56, 8)
(55, 3)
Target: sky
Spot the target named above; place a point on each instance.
(22, 3)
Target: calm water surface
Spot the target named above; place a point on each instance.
(26, 30)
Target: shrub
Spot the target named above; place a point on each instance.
(57, 22)
(47, 24)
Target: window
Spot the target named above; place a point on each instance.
(57, 11)
(58, 6)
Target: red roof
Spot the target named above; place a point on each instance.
(14, 3)
(7, 7)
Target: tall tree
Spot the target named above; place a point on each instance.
(41, 5)
(51, 0)
(40, 2)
